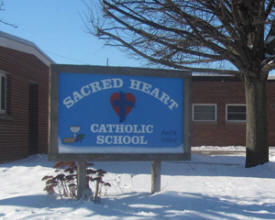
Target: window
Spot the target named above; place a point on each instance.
(236, 112)
(3, 92)
(204, 112)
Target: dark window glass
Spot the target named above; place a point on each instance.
(204, 113)
(236, 112)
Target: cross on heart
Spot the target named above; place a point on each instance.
(122, 104)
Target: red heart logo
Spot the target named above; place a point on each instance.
(122, 104)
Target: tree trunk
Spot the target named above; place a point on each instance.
(256, 122)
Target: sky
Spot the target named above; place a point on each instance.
(58, 28)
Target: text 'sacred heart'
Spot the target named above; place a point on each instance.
(122, 104)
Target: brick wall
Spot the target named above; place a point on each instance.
(22, 70)
(222, 91)
(25, 68)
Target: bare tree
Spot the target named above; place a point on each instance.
(198, 35)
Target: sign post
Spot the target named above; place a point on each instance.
(120, 114)
(156, 176)
(82, 183)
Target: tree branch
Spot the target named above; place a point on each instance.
(177, 46)
(165, 62)
(269, 8)
(182, 34)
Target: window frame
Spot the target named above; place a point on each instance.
(204, 104)
(3, 75)
(226, 113)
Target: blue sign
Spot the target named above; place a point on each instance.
(110, 113)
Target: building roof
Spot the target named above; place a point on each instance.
(222, 76)
(22, 45)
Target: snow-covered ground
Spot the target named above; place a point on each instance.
(207, 187)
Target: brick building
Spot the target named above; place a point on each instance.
(218, 111)
(24, 88)
(218, 103)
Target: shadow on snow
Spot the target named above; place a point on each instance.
(159, 206)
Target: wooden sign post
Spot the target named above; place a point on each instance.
(83, 190)
(156, 177)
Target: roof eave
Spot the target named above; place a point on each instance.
(22, 45)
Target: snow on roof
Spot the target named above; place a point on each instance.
(211, 74)
(22, 45)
